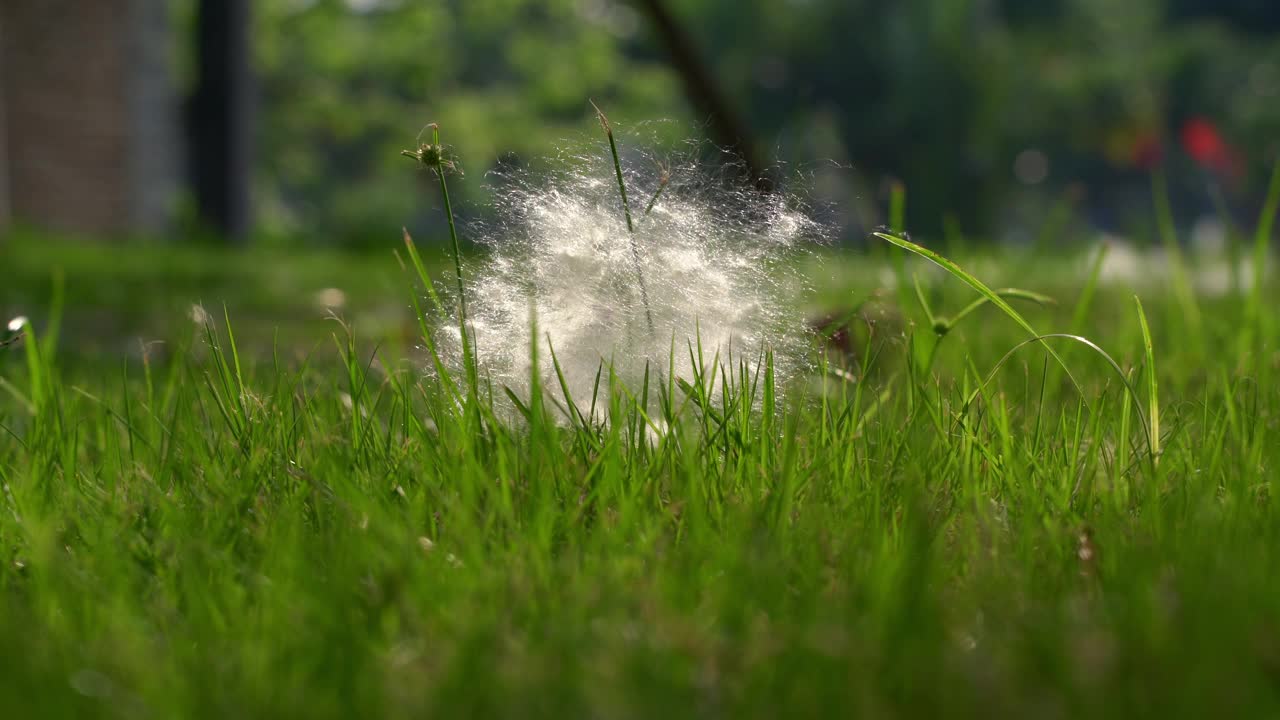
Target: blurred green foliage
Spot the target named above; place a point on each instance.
(346, 85)
(945, 94)
(942, 94)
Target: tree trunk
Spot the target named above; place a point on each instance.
(726, 127)
(221, 121)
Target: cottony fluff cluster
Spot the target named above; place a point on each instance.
(716, 258)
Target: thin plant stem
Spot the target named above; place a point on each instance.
(432, 156)
(453, 238)
(663, 180)
(1182, 291)
(626, 210)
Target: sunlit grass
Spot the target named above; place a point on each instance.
(968, 508)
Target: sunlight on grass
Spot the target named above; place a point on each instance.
(951, 512)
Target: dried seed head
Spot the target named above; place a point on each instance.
(428, 155)
(432, 155)
(604, 121)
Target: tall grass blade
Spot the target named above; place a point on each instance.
(1182, 289)
(1153, 396)
(898, 226)
(1012, 293)
(973, 282)
(626, 210)
(1261, 243)
(1090, 287)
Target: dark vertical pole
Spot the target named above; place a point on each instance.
(221, 119)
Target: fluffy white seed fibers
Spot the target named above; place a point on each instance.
(716, 259)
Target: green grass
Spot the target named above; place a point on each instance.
(242, 527)
(119, 297)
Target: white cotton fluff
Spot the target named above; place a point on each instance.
(717, 258)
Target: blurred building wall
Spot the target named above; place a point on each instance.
(89, 117)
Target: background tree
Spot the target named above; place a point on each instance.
(945, 95)
(221, 118)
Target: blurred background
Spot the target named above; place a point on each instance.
(280, 121)
(141, 138)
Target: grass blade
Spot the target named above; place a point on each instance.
(1182, 290)
(1261, 242)
(626, 210)
(1013, 293)
(1090, 287)
(1153, 396)
(991, 296)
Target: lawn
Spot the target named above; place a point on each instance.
(275, 514)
